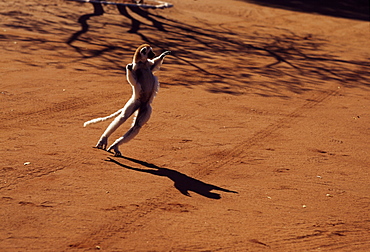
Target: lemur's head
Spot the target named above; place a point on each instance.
(143, 53)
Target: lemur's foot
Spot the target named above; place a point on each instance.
(114, 147)
(102, 144)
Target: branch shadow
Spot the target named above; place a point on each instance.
(182, 182)
(98, 11)
(135, 24)
(123, 10)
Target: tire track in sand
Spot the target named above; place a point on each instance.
(237, 154)
(60, 110)
(11, 119)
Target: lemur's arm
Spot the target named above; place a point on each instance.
(157, 62)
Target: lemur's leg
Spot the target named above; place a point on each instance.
(131, 106)
(143, 116)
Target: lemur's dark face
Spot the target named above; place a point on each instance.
(151, 54)
(147, 53)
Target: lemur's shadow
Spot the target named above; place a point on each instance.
(182, 182)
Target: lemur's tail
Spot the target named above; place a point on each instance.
(101, 119)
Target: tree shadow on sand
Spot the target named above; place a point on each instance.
(292, 62)
(123, 10)
(270, 61)
(182, 182)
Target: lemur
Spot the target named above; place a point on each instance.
(144, 85)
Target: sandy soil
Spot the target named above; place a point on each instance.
(259, 138)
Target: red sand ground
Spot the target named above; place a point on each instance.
(267, 102)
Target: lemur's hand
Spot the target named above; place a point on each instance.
(129, 67)
(164, 54)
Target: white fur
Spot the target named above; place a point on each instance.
(101, 119)
(144, 88)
